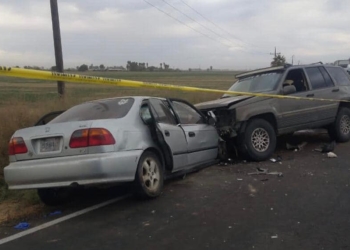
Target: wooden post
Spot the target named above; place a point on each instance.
(57, 44)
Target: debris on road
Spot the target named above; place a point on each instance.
(278, 159)
(22, 225)
(273, 160)
(262, 171)
(326, 148)
(331, 155)
(296, 147)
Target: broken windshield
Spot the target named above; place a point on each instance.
(263, 82)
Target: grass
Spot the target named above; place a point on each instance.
(23, 102)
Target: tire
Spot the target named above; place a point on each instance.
(262, 130)
(149, 177)
(340, 129)
(54, 196)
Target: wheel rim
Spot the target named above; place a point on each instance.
(150, 174)
(345, 124)
(260, 139)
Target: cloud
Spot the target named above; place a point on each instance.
(245, 32)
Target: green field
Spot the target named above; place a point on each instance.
(17, 89)
(23, 101)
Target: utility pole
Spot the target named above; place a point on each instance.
(57, 44)
(292, 59)
(275, 54)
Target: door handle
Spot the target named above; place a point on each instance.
(310, 95)
(191, 134)
(167, 133)
(335, 90)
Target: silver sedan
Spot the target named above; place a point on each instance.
(142, 140)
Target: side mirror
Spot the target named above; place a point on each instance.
(211, 118)
(287, 90)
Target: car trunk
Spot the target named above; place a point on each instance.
(51, 140)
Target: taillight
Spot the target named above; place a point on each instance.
(17, 146)
(91, 137)
(79, 139)
(100, 136)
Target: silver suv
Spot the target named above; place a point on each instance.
(252, 124)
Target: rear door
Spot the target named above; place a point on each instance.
(172, 134)
(322, 87)
(202, 138)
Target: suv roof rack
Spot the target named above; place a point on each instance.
(316, 63)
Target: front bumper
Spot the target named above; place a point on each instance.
(65, 171)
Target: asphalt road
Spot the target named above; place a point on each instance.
(222, 207)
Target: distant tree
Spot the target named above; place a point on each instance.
(17, 67)
(128, 65)
(161, 65)
(91, 66)
(166, 66)
(53, 68)
(151, 68)
(189, 69)
(278, 60)
(102, 67)
(146, 65)
(83, 68)
(211, 68)
(77, 67)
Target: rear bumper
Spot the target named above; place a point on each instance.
(65, 171)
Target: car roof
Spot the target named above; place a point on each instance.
(137, 98)
(262, 70)
(282, 68)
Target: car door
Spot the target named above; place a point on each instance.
(322, 87)
(292, 113)
(202, 138)
(173, 135)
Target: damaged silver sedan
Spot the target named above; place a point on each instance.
(142, 140)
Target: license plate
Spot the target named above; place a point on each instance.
(50, 144)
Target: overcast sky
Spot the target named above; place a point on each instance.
(240, 34)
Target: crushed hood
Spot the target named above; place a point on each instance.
(220, 103)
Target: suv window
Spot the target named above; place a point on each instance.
(339, 76)
(327, 78)
(296, 77)
(95, 110)
(317, 80)
(187, 114)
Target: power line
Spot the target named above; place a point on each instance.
(235, 37)
(201, 24)
(186, 24)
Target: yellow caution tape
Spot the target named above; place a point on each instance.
(69, 77)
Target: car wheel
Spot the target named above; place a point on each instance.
(149, 177)
(54, 196)
(259, 140)
(340, 130)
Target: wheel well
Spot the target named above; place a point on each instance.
(268, 117)
(344, 104)
(159, 154)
